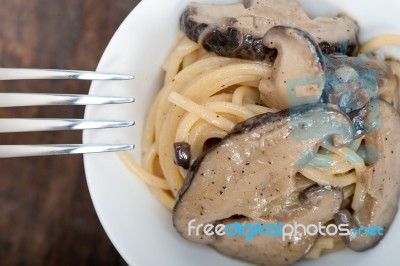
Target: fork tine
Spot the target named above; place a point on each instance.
(30, 73)
(8, 125)
(11, 151)
(34, 99)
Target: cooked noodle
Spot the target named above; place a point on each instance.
(203, 97)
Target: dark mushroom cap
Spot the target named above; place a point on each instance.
(252, 169)
(237, 30)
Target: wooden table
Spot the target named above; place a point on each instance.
(46, 214)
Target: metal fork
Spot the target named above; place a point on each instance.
(43, 124)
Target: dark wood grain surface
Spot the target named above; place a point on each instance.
(46, 214)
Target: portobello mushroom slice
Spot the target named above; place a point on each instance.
(301, 74)
(317, 204)
(253, 166)
(346, 75)
(298, 73)
(237, 30)
(352, 83)
(380, 182)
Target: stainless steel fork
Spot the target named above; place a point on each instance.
(43, 124)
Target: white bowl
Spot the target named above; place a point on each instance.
(139, 227)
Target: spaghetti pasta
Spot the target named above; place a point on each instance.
(203, 97)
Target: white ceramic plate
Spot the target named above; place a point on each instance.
(139, 227)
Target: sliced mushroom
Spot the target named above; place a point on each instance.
(353, 82)
(302, 74)
(237, 30)
(380, 182)
(298, 74)
(253, 166)
(346, 76)
(317, 204)
(182, 154)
